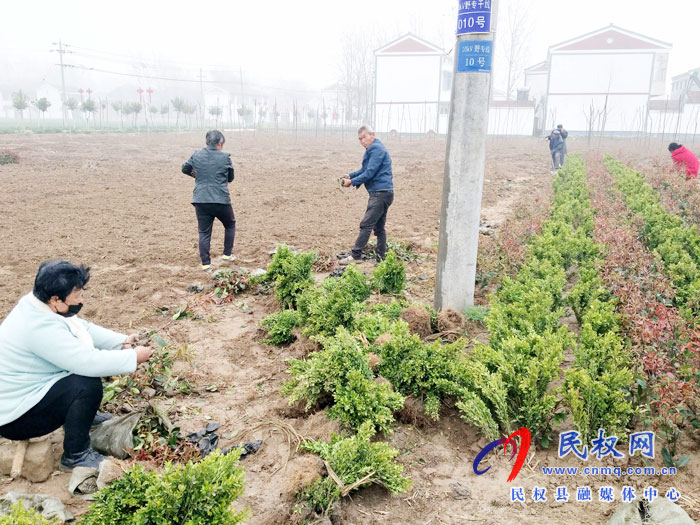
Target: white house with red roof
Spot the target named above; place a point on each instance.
(413, 84)
(603, 81)
(413, 80)
(536, 80)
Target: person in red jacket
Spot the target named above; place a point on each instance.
(685, 160)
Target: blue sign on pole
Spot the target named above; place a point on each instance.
(474, 16)
(475, 56)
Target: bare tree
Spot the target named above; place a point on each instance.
(514, 32)
(356, 77)
(591, 115)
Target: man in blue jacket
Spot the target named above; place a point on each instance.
(377, 178)
(213, 171)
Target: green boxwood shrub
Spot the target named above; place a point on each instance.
(194, 494)
(279, 327)
(389, 276)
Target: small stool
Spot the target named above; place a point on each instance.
(18, 461)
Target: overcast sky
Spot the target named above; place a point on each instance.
(296, 41)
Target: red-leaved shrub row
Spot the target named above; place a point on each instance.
(667, 346)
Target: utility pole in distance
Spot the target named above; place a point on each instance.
(60, 52)
(465, 156)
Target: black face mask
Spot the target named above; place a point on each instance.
(73, 309)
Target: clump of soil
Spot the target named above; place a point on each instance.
(413, 413)
(300, 472)
(374, 360)
(295, 411)
(450, 321)
(303, 346)
(381, 380)
(418, 319)
(317, 426)
(382, 339)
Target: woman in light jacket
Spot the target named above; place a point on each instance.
(52, 362)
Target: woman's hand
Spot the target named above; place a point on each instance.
(143, 353)
(130, 340)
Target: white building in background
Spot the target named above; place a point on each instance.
(536, 78)
(413, 79)
(679, 114)
(688, 82)
(603, 80)
(511, 117)
(413, 86)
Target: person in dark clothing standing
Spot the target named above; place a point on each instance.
(556, 147)
(212, 170)
(377, 177)
(564, 135)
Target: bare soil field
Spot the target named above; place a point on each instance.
(119, 203)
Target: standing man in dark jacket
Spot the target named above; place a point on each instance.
(213, 171)
(377, 177)
(557, 145)
(564, 135)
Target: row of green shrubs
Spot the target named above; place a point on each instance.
(321, 309)
(678, 245)
(514, 375)
(596, 389)
(333, 313)
(336, 315)
(526, 342)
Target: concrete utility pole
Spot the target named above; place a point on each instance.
(60, 52)
(466, 155)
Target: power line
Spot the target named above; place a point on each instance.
(193, 80)
(153, 77)
(155, 62)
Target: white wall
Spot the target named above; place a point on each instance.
(408, 78)
(625, 113)
(673, 123)
(660, 73)
(600, 73)
(408, 118)
(537, 82)
(511, 120)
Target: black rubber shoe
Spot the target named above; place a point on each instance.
(101, 417)
(87, 458)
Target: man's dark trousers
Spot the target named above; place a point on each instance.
(374, 219)
(206, 213)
